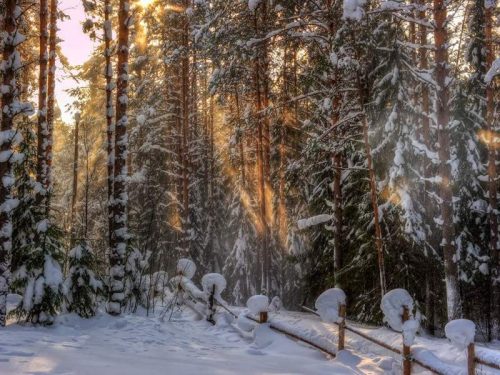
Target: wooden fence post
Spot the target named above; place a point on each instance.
(406, 349)
(471, 359)
(211, 306)
(263, 317)
(342, 314)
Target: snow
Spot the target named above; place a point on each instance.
(186, 267)
(314, 220)
(392, 307)
(353, 10)
(258, 303)
(493, 72)
(328, 304)
(276, 304)
(410, 328)
(253, 4)
(136, 344)
(460, 332)
(140, 344)
(211, 280)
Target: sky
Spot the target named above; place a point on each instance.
(76, 46)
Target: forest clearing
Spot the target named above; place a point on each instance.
(249, 186)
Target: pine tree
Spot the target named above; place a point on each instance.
(82, 285)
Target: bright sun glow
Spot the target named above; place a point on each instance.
(145, 3)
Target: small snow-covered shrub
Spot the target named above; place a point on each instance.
(328, 304)
(392, 306)
(186, 267)
(136, 286)
(276, 304)
(211, 280)
(460, 332)
(82, 286)
(258, 303)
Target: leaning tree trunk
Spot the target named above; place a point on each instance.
(445, 191)
(492, 181)
(43, 131)
(119, 235)
(109, 110)
(51, 99)
(10, 105)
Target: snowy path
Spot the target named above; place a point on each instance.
(142, 345)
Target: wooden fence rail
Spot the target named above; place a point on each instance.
(408, 359)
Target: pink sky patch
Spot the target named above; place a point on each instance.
(76, 46)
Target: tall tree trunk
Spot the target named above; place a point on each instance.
(108, 35)
(185, 127)
(74, 191)
(119, 235)
(492, 178)
(425, 138)
(43, 131)
(51, 83)
(445, 191)
(9, 101)
(261, 179)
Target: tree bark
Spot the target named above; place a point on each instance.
(43, 131)
(74, 191)
(51, 83)
(492, 178)
(9, 97)
(445, 191)
(119, 235)
(109, 111)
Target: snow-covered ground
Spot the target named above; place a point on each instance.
(138, 344)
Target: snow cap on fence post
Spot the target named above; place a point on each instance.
(392, 305)
(259, 305)
(186, 268)
(328, 305)
(461, 333)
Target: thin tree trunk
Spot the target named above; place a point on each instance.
(185, 127)
(74, 191)
(119, 235)
(492, 178)
(109, 111)
(43, 131)
(242, 139)
(10, 96)
(51, 83)
(445, 191)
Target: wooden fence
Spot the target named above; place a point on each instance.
(405, 351)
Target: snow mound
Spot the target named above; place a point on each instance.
(186, 267)
(392, 307)
(460, 332)
(244, 323)
(263, 336)
(276, 304)
(328, 304)
(258, 303)
(211, 280)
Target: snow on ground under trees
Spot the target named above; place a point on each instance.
(140, 344)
